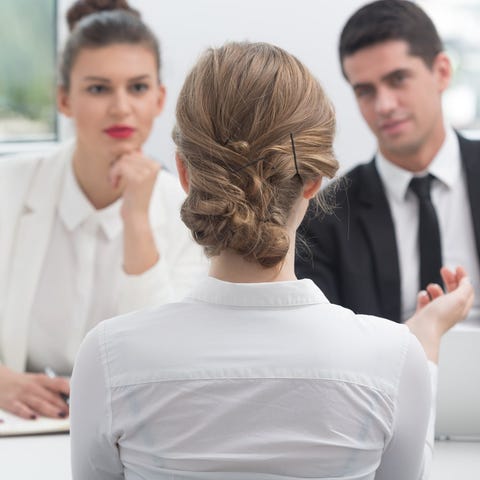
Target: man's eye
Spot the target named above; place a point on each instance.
(363, 92)
(139, 87)
(398, 79)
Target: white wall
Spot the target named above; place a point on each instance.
(307, 28)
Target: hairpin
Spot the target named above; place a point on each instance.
(295, 157)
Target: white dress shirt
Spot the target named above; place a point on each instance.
(249, 382)
(83, 282)
(450, 198)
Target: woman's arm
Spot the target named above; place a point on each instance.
(409, 451)
(180, 261)
(437, 313)
(136, 174)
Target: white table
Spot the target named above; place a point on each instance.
(47, 457)
(456, 460)
(36, 457)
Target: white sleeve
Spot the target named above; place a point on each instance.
(153, 287)
(94, 451)
(409, 451)
(182, 262)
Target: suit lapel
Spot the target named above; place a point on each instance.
(470, 152)
(376, 220)
(31, 240)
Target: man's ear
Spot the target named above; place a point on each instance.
(63, 101)
(442, 68)
(182, 173)
(311, 188)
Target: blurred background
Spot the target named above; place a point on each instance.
(33, 33)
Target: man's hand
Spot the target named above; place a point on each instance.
(31, 394)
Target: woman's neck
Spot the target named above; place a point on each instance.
(92, 176)
(232, 267)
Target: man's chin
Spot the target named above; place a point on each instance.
(401, 147)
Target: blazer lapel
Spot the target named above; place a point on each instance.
(470, 152)
(376, 219)
(31, 240)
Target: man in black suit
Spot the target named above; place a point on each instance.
(385, 237)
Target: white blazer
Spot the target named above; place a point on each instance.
(30, 189)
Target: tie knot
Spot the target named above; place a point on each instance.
(421, 186)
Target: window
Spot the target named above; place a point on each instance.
(27, 73)
(457, 23)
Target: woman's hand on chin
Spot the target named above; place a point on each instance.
(135, 175)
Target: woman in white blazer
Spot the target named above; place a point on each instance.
(255, 374)
(93, 229)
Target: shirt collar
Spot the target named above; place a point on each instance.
(445, 167)
(75, 209)
(268, 294)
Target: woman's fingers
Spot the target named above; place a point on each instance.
(28, 394)
(434, 291)
(22, 410)
(133, 168)
(422, 299)
(47, 408)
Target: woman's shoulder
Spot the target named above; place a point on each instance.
(370, 345)
(25, 162)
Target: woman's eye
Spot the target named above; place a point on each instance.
(97, 89)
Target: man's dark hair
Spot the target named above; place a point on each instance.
(385, 20)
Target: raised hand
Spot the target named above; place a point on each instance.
(437, 311)
(135, 175)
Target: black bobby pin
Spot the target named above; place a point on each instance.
(295, 157)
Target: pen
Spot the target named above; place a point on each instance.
(49, 372)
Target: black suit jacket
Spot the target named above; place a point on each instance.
(352, 254)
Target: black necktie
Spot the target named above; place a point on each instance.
(428, 233)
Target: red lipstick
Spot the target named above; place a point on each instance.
(119, 131)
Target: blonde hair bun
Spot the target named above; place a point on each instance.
(236, 113)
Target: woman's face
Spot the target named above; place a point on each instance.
(114, 97)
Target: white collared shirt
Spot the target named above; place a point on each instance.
(450, 198)
(83, 282)
(251, 381)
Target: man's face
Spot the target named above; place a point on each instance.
(400, 99)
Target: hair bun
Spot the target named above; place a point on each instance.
(83, 8)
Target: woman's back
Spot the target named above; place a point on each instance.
(255, 375)
(247, 381)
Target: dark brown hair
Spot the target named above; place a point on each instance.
(237, 113)
(385, 20)
(100, 23)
